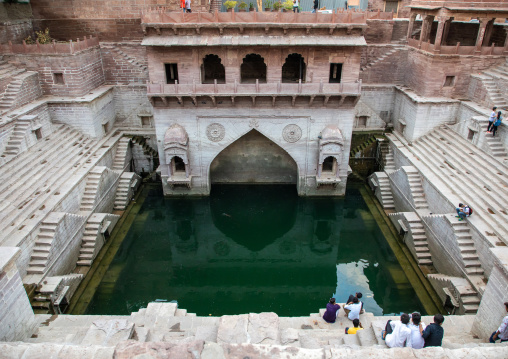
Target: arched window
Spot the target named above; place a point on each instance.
(293, 69)
(329, 164)
(178, 164)
(252, 68)
(212, 69)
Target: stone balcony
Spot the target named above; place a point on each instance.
(461, 5)
(458, 49)
(324, 94)
(161, 22)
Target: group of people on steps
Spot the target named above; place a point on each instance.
(409, 331)
(495, 121)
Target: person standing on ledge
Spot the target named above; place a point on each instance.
(492, 118)
(433, 334)
(295, 6)
(497, 123)
(187, 6)
(502, 331)
(316, 5)
(332, 309)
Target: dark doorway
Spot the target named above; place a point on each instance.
(179, 165)
(213, 69)
(293, 69)
(328, 164)
(171, 73)
(252, 68)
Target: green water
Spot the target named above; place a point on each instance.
(254, 249)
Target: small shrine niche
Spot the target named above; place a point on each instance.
(176, 155)
(331, 145)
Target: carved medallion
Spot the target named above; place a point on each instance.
(292, 133)
(215, 132)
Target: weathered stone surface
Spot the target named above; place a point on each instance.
(212, 351)
(207, 333)
(242, 351)
(309, 342)
(263, 328)
(108, 332)
(233, 329)
(288, 336)
(158, 350)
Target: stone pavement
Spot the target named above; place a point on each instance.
(163, 331)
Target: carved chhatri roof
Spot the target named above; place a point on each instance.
(176, 134)
(331, 133)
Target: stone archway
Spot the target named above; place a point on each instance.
(253, 158)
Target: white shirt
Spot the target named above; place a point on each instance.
(354, 310)
(417, 341)
(400, 337)
(295, 3)
(503, 329)
(187, 4)
(493, 116)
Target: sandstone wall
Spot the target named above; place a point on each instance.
(131, 102)
(82, 72)
(30, 90)
(87, 115)
(426, 73)
(15, 30)
(124, 63)
(16, 317)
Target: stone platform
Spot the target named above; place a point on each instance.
(164, 331)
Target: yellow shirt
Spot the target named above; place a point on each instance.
(353, 330)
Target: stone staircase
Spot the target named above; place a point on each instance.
(17, 137)
(384, 190)
(89, 247)
(131, 60)
(494, 144)
(162, 327)
(91, 186)
(10, 94)
(129, 182)
(416, 188)
(8, 70)
(40, 253)
(460, 176)
(121, 154)
(466, 245)
(420, 241)
(140, 140)
(490, 79)
(393, 50)
(388, 161)
(464, 296)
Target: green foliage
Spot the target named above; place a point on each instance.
(230, 4)
(277, 5)
(251, 5)
(243, 5)
(268, 4)
(43, 37)
(288, 5)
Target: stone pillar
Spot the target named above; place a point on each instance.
(481, 34)
(446, 30)
(491, 310)
(439, 34)
(488, 32)
(17, 320)
(426, 27)
(411, 25)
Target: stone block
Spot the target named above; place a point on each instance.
(207, 333)
(233, 329)
(288, 336)
(108, 332)
(212, 351)
(263, 328)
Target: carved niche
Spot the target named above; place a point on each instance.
(331, 145)
(176, 155)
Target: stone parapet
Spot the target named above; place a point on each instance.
(53, 48)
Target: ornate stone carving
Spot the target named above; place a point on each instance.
(215, 132)
(292, 133)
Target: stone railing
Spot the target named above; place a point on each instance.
(257, 89)
(478, 5)
(53, 48)
(458, 49)
(162, 16)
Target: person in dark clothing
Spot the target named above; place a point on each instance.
(316, 5)
(331, 311)
(357, 295)
(433, 334)
(497, 123)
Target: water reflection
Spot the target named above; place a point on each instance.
(253, 249)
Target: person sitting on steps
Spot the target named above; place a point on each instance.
(433, 334)
(463, 211)
(357, 327)
(502, 331)
(353, 309)
(396, 333)
(332, 309)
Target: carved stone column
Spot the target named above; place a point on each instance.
(411, 25)
(481, 34)
(439, 34)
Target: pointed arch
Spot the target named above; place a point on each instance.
(253, 67)
(293, 69)
(253, 158)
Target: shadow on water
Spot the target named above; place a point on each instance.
(254, 216)
(253, 249)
